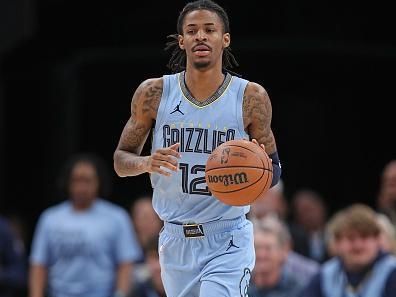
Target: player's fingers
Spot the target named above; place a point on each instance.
(161, 171)
(175, 146)
(260, 145)
(159, 163)
(171, 150)
(166, 158)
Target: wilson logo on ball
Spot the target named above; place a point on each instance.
(229, 179)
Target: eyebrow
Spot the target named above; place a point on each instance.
(206, 24)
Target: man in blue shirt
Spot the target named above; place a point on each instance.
(361, 268)
(85, 246)
(270, 278)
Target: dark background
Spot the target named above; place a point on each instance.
(68, 70)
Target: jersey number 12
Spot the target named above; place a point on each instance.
(193, 187)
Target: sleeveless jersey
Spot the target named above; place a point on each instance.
(199, 127)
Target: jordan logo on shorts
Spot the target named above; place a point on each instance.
(231, 244)
(177, 108)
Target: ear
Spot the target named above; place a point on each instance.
(284, 253)
(226, 40)
(181, 41)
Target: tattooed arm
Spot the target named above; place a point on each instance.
(144, 107)
(257, 116)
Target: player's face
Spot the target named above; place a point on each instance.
(356, 250)
(83, 185)
(203, 39)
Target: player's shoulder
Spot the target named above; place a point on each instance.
(151, 84)
(149, 93)
(255, 89)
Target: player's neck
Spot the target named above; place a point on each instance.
(202, 84)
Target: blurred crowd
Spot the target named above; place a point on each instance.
(88, 246)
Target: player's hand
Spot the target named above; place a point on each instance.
(164, 158)
(260, 145)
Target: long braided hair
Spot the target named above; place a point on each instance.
(177, 61)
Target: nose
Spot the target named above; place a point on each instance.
(201, 35)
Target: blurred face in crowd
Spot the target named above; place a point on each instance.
(388, 186)
(310, 213)
(83, 185)
(272, 203)
(270, 255)
(146, 222)
(356, 250)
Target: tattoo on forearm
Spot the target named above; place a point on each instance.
(133, 164)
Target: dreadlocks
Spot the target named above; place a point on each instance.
(177, 61)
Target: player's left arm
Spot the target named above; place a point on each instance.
(257, 117)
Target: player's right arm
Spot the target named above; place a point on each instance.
(144, 108)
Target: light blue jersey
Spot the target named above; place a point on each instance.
(81, 250)
(199, 127)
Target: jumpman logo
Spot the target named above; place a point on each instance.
(177, 108)
(231, 244)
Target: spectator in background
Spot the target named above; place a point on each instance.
(152, 286)
(85, 246)
(386, 200)
(270, 278)
(18, 227)
(387, 234)
(361, 268)
(145, 220)
(147, 225)
(12, 262)
(310, 213)
(275, 203)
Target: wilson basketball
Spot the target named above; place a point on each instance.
(238, 172)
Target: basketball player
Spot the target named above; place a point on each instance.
(206, 247)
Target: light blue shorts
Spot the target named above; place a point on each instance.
(218, 264)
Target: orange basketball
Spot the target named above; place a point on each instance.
(238, 172)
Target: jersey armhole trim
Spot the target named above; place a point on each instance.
(241, 93)
(161, 106)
